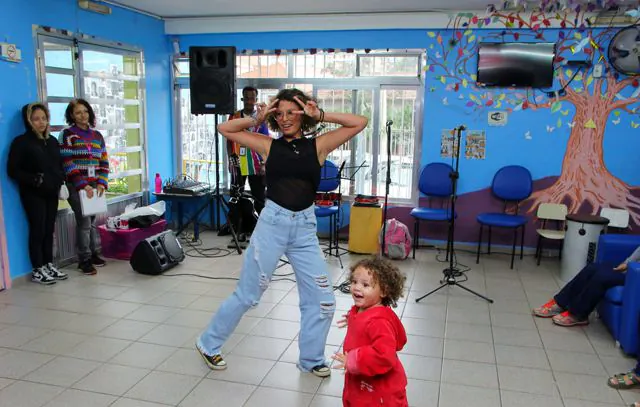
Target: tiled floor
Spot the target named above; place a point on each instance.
(123, 339)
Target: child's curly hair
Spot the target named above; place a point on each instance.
(308, 123)
(386, 274)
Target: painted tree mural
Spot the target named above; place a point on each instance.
(610, 99)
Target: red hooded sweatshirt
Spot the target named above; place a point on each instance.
(375, 376)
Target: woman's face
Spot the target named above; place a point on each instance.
(39, 120)
(81, 115)
(288, 121)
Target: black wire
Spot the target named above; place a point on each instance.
(344, 287)
(219, 278)
(201, 276)
(455, 260)
(207, 253)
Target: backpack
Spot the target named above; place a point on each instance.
(397, 240)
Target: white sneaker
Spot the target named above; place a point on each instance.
(40, 275)
(54, 273)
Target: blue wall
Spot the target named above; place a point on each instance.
(540, 150)
(535, 137)
(19, 87)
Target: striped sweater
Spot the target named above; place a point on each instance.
(82, 150)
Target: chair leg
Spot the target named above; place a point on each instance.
(560, 251)
(479, 244)
(522, 242)
(416, 230)
(539, 249)
(513, 250)
(489, 247)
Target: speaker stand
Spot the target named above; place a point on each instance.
(216, 197)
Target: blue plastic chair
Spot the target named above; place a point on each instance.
(329, 182)
(512, 184)
(434, 182)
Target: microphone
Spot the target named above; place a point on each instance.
(389, 122)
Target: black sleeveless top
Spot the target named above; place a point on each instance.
(293, 173)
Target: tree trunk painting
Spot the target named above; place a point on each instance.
(585, 178)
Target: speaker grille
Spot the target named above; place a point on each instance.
(212, 77)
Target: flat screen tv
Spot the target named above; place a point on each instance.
(516, 64)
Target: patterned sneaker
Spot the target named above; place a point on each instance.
(321, 371)
(214, 362)
(98, 261)
(87, 268)
(548, 310)
(40, 276)
(566, 319)
(55, 273)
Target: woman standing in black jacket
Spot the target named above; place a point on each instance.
(36, 165)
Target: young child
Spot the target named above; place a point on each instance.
(374, 375)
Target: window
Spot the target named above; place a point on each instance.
(261, 66)
(198, 143)
(380, 85)
(111, 80)
(335, 65)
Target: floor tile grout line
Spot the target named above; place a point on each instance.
(553, 373)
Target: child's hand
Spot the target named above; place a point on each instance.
(341, 358)
(343, 322)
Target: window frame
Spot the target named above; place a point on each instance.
(79, 43)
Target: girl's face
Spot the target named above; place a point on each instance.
(289, 122)
(39, 120)
(365, 291)
(81, 115)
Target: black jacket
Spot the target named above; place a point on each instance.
(35, 163)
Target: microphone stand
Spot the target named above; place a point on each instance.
(451, 273)
(387, 183)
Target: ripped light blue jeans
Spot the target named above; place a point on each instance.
(281, 231)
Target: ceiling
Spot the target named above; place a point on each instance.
(217, 8)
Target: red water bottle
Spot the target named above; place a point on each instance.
(158, 183)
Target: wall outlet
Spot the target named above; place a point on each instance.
(598, 70)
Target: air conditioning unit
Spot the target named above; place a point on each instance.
(613, 17)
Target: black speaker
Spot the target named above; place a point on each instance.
(157, 254)
(212, 79)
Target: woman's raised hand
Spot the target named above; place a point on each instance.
(311, 108)
(265, 110)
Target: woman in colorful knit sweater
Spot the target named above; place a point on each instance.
(86, 166)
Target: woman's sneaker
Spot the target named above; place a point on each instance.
(214, 362)
(321, 371)
(566, 319)
(55, 273)
(548, 310)
(39, 275)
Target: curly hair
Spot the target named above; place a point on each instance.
(308, 122)
(386, 274)
(68, 114)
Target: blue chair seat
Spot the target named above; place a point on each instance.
(323, 212)
(502, 220)
(614, 295)
(431, 214)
